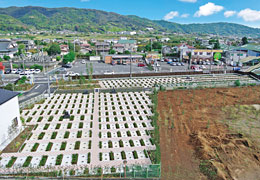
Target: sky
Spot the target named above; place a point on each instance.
(245, 12)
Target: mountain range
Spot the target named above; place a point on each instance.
(14, 19)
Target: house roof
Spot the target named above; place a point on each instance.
(190, 47)
(251, 47)
(4, 46)
(127, 42)
(6, 95)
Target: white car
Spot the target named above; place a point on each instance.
(109, 72)
(14, 71)
(32, 71)
(37, 71)
(83, 62)
(27, 71)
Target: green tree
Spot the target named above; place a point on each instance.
(157, 45)
(54, 49)
(58, 58)
(127, 52)
(1, 59)
(69, 57)
(21, 49)
(216, 45)
(244, 40)
(112, 51)
(7, 58)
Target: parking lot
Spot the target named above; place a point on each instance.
(102, 68)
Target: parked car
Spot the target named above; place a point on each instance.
(166, 60)
(37, 71)
(193, 67)
(67, 65)
(178, 64)
(236, 68)
(173, 64)
(141, 65)
(83, 62)
(202, 67)
(32, 71)
(8, 71)
(182, 63)
(14, 71)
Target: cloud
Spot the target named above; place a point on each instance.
(171, 15)
(228, 14)
(185, 15)
(208, 9)
(249, 15)
(190, 1)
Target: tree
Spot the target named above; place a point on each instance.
(127, 52)
(244, 40)
(54, 49)
(216, 45)
(7, 58)
(1, 59)
(157, 45)
(69, 57)
(58, 58)
(112, 51)
(21, 49)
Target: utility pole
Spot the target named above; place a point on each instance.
(49, 90)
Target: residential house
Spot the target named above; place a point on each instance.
(184, 50)
(10, 116)
(85, 48)
(165, 39)
(102, 48)
(29, 44)
(64, 49)
(7, 48)
(198, 55)
(250, 49)
(129, 45)
(119, 48)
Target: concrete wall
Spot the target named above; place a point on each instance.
(8, 111)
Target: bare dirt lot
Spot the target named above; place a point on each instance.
(210, 133)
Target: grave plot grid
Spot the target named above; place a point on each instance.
(171, 80)
(103, 130)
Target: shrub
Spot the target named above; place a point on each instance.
(131, 142)
(90, 133)
(79, 134)
(109, 134)
(39, 119)
(58, 126)
(135, 125)
(69, 125)
(72, 172)
(27, 161)
(145, 153)
(135, 155)
(50, 119)
(82, 117)
(54, 134)
(89, 144)
(63, 146)
(66, 135)
(111, 156)
(49, 146)
(126, 125)
(123, 155)
(72, 117)
(41, 135)
(77, 145)
(237, 83)
(110, 144)
(100, 156)
(100, 144)
(11, 162)
(74, 159)
(119, 134)
(144, 125)
(29, 119)
(43, 160)
(81, 125)
(59, 159)
(128, 133)
(88, 157)
(46, 126)
(121, 143)
(138, 133)
(142, 142)
(35, 147)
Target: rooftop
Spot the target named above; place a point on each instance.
(127, 42)
(6, 95)
(251, 47)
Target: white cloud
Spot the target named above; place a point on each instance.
(208, 9)
(249, 15)
(171, 15)
(185, 15)
(190, 1)
(229, 13)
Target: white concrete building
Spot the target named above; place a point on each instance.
(9, 116)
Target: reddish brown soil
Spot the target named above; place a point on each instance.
(191, 131)
(12, 147)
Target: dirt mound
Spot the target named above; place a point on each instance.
(196, 138)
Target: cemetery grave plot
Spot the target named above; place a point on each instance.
(102, 130)
(171, 80)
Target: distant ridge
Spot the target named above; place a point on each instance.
(90, 20)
